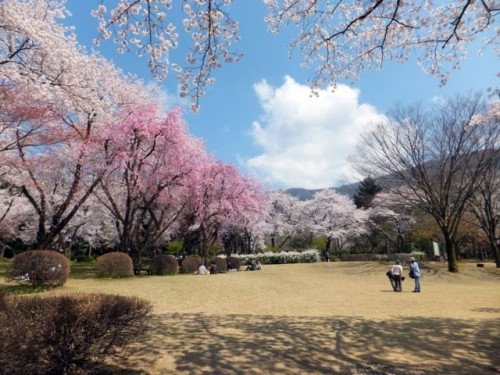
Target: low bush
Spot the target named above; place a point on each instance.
(40, 268)
(3, 299)
(283, 257)
(234, 262)
(164, 265)
(114, 264)
(220, 263)
(191, 264)
(80, 258)
(68, 334)
(174, 248)
(366, 257)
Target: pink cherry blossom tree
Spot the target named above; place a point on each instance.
(151, 159)
(221, 197)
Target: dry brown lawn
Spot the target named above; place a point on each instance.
(324, 318)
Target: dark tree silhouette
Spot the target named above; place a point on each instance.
(367, 190)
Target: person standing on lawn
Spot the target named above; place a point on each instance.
(397, 274)
(415, 274)
(391, 279)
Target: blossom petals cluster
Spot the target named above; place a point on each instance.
(155, 28)
(343, 39)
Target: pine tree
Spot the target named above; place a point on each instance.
(367, 190)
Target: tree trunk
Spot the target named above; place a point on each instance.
(67, 250)
(328, 244)
(451, 253)
(496, 254)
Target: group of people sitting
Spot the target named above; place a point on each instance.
(254, 265)
(212, 269)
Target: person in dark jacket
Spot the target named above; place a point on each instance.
(391, 279)
(415, 274)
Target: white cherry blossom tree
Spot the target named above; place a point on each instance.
(152, 28)
(342, 39)
(335, 216)
(284, 217)
(55, 99)
(338, 39)
(391, 218)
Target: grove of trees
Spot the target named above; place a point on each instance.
(437, 160)
(90, 156)
(88, 153)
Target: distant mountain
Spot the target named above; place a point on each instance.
(306, 194)
(302, 194)
(387, 182)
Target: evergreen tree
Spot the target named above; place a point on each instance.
(367, 190)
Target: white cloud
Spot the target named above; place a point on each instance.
(306, 139)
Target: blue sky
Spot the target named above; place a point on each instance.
(259, 115)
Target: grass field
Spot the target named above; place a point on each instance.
(323, 318)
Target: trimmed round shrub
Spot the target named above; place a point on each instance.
(3, 300)
(190, 264)
(220, 263)
(72, 334)
(114, 265)
(164, 265)
(40, 268)
(234, 261)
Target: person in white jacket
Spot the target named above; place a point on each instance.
(397, 274)
(202, 270)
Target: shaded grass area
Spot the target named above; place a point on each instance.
(340, 318)
(323, 318)
(256, 344)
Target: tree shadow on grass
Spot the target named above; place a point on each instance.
(249, 344)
